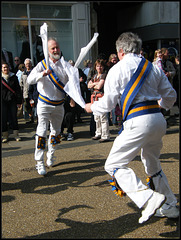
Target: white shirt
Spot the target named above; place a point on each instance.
(44, 84)
(86, 71)
(155, 87)
(18, 74)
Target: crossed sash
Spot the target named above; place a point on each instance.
(56, 82)
(132, 88)
(53, 77)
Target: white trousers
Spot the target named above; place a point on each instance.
(102, 126)
(48, 114)
(142, 132)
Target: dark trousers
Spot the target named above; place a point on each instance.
(92, 125)
(77, 110)
(68, 122)
(9, 114)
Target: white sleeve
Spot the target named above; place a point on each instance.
(167, 92)
(111, 94)
(36, 74)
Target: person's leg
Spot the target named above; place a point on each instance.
(4, 116)
(69, 122)
(104, 127)
(56, 118)
(26, 109)
(159, 180)
(13, 115)
(79, 111)
(44, 112)
(150, 158)
(114, 118)
(98, 126)
(92, 125)
(14, 120)
(4, 122)
(126, 146)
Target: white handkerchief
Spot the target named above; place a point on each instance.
(44, 37)
(72, 87)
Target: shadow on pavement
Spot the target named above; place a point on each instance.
(112, 229)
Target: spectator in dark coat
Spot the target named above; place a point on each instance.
(11, 99)
(33, 96)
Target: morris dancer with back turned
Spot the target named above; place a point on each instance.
(142, 90)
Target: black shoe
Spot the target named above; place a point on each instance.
(96, 138)
(104, 140)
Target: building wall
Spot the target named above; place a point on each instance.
(157, 23)
(153, 21)
(81, 27)
(149, 13)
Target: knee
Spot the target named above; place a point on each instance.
(41, 142)
(107, 168)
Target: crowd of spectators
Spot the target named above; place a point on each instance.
(169, 64)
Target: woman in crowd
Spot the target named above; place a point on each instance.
(96, 84)
(11, 100)
(158, 58)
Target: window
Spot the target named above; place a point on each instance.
(15, 26)
(13, 10)
(50, 11)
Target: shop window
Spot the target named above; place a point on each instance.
(62, 31)
(13, 10)
(13, 35)
(15, 38)
(50, 11)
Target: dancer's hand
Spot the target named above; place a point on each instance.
(88, 107)
(46, 72)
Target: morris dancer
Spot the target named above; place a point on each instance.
(143, 90)
(50, 84)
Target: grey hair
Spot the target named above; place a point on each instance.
(129, 42)
(52, 38)
(27, 59)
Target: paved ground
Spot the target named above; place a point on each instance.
(74, 200)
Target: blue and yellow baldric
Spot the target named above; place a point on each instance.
(50, 102)
(53, 77)
(56, 82)
(132, 88)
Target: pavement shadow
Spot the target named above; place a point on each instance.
(10, 148)
(169, 155)
(7, 198)
(172, 222)
(172, 131)
(52, 183)
(107, 229)
(163, 157)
